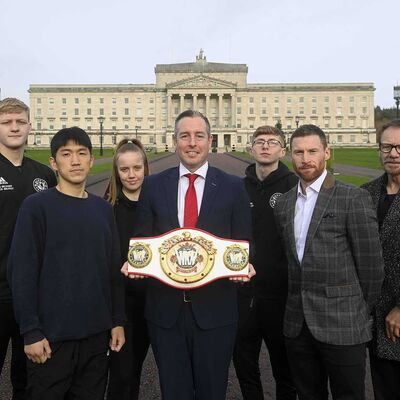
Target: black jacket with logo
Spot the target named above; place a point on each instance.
(269, 258)
(17, 183)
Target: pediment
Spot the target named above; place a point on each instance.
(201, 81)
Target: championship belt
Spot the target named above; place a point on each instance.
(188, 258)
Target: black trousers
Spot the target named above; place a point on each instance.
(385, 378)
(313, 362)
(193, 363)
(126, 366)
(10, 330)
(261, 319)
(77, 370)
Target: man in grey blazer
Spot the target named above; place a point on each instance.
(335, 273)
(385, 193)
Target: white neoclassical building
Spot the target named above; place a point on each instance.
(235, 108)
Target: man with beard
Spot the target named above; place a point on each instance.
(385, 347)
(335, 270)
(262, 301)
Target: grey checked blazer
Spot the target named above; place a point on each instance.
(340, 277)
(390, 296)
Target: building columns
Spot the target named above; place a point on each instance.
(220, 110)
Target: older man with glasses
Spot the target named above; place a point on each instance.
(385, 347)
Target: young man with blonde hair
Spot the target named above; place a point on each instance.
(19, 177)
(262, 302)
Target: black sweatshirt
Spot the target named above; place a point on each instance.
(269, 258)
(64, 267)
(125, 216)
(16, 183)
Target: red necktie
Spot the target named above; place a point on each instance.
(190, 215)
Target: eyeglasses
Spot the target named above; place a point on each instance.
(387, 147)
(269, 142)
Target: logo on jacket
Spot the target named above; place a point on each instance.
(187, 259)
(274, 198)
(4, 185)
(40, 184)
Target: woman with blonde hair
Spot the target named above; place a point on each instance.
(130, 166)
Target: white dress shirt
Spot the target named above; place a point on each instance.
(305, 205)
(183, 187)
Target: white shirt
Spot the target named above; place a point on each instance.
(183, 185)
(305, 205)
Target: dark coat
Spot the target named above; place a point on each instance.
(390, 295)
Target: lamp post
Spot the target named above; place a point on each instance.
(136, 129)
(396, 95)
(297, 120)
(101, 120)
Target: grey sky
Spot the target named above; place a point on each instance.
(120, 41)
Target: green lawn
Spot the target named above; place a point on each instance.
(360, 157)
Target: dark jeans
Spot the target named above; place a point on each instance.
(126, 366)
(77, 370)
(9, 330)
(261, 319)
(193, 363)
(385, 378)
(313, 362)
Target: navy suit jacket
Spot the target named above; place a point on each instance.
(224, 212)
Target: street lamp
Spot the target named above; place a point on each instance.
(101, 120)
(297, 120)
(396, 95)
(136, 129)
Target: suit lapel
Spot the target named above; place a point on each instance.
(210, 191)
(171, 195)
(323, 200)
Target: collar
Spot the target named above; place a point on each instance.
(202, 171)
(315, 186)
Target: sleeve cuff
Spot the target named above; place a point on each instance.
(33, 337)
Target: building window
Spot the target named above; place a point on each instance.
(301, 110)
(126, 111)
(251, 99)
(89, 111)
(64, 100)
(151, 101)
(126, 126)
(326, 110)
(76, 100)
(64, 126)
(126, 100)
(251, 110)
(76, 111)
(89, 128)
(326, 123)
(239, 125)
(276, 110)
(314, 99)
(38, 111)
(263, 99)
(301, 99)
(339, 138)
(151, 126)
(239, 100)
(39, 101)
(51, 111)
(263, 111)
(352, 138)
(151, 111)
(114, 111)
(39, 126)
(101, 111)
(114, 100)
(351, 110)
(101, 100)
(339, 99)
(251, 126)
(326, 99)
(289, 111)
(351, 122)
(63, 111)
(289, 100)
(364, 110)
(351, 99)
(89, 100)
(276, 99)
(314, 110)
(239, 139)
(51, 100)
(114, 128)
(339, 123)
(239, 110)
(339, 111)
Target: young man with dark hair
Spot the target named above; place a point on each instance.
(19, 177)
(262, 301)
(385, 193)
(64, 274)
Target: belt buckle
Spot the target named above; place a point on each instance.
(186, 297)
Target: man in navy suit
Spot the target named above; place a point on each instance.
(192, 332)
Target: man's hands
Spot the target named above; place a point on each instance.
(392, 322)
(117, 338)
(124, 271)
(38, 352)
(247, 278)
